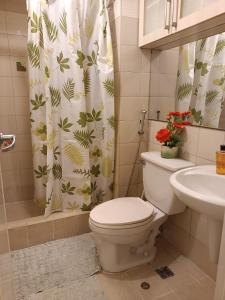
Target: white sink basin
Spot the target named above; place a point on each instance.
(201, 189)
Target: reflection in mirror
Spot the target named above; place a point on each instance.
(191, 77)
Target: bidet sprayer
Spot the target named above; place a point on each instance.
(142, 121)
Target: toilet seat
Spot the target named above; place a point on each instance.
(121, 213)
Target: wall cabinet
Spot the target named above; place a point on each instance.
(165, 24)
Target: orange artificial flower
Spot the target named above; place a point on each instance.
(185, 114)
(187, 123)
(174, 113)
(178, 125)
(163, 135)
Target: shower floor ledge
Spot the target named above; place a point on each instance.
(43, 219)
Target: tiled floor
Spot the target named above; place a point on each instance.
(189, 282)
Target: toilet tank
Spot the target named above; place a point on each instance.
(157, 188)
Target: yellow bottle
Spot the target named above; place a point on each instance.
(220, 161)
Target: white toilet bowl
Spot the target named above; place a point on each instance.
(126, 228)
(125, 231)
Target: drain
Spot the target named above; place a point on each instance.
(164, 272)
(145, 285)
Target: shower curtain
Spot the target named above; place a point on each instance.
(201, 79)
(72, 103)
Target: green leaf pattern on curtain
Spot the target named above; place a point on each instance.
(71, 102)
(201, 79)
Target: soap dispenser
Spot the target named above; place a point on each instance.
(220, 161)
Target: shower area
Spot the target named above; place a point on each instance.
(56, 97)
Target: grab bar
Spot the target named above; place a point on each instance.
(10, 139)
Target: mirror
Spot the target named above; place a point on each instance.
(190, 77)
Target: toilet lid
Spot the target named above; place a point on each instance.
(121, 211)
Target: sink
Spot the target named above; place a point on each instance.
(201, 189)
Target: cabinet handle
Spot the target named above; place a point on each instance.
(174, 13)
(167, 14)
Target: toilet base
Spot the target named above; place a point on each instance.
(129, 261)
(114, 257)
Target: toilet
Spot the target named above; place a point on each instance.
(125, 229)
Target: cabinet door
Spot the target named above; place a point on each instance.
(154, 22)
(199, 14)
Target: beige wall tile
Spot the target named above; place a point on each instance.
(168, 61)
(2, 21)
(6, 106)
(133, 191)
(190, 138)
(22, 124)
(18, 238)
(190, 247)
(4, 245)
(128, 153)
(130, 59)
(10, 162)
(128, 131)
(23, 209)
(146, 61)
(2, 212)
(22, 106)
(183, 220)
(167, 85)
(40, 233)
(5, 66)
(6, 86)
(134, 84)
(208, 150)
(16, 23)
(133, 105)
(161, 104)
(66, 227)
(17, 45)
(25, 159)
(199, 227)
(130, 8)
(155, 54)
(203, 161)
(16, 6)
(11, 178)
(83, 223)
(154, 127)
(4, 44)
(7, 124)
(144, 85)
(129, 31)
(155, 85)
(20, 86)
(125, 173)
(24, 142)
(130, 84)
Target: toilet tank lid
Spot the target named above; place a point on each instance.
(172, 164)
